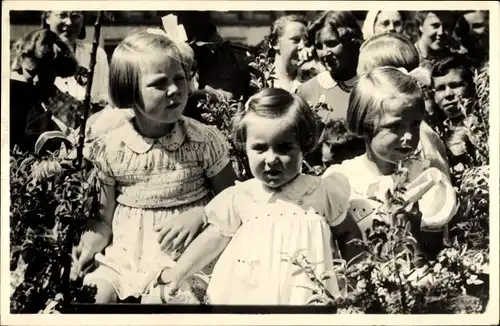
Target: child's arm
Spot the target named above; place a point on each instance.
(98, 233)
(204, 249)
(346, 231)
(179, 231)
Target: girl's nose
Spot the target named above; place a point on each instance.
(391, 28)
(172, 89)
(271, 158)
(440, 30)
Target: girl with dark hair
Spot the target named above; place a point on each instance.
(336, 37)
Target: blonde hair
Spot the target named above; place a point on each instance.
(278, 103)
(370, 94)
(134, 51)
(390, 49)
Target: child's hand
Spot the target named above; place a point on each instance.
(92, 241)
(178, 231)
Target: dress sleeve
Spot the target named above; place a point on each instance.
(216, 154)
(221, 213)
(338, 193)
(97, 154)
(332, 169)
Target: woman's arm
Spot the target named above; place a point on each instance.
(204, 249)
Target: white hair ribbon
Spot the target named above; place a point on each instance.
(171, 29)
(420, 74)
(403, 70)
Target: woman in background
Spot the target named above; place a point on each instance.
(38, 58)
(378, 22)
(69, 26)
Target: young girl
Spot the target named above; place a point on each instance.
(397, 51)
(260, 223)
(381, 21)
(157, 171)
(336, 37)
(286, 34)
(386, 109)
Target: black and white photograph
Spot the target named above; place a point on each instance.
(201, 158)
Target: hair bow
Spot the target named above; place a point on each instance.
(176, 32)
(421, 75)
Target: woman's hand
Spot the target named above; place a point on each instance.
(178, 231)
(94, 240)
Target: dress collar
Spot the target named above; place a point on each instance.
(181, 132)
(326, 80)
(301, 186)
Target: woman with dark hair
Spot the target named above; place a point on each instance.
(70, 27)
(472, 30)
(37, 59)
(435, 30)
(336, 37)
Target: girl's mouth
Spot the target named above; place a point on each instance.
(405, 150)
(272, 173)
(331, 62)
(171, 106)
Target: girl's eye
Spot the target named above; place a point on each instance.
(259, 147)
(397, 24)
(284, 148)
(179, 79)
(385, 23)
(331, 44)
(319, 46)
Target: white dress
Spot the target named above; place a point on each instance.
(267, 227)
(155, 179)
(367, 182)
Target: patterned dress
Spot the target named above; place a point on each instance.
(155, 179)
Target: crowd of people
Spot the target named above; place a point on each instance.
(360, 100)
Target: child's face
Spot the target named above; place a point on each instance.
(164, 89)
(293, 33)
(331, 51)
(66, 24)
(447, 91)
(436, 31)
(477, 22)
(398, 131)
(388, 21)
(273, 151)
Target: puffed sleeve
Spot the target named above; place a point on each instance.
(216, 153)
(221, 212)
(338, 193)
(331, 170)
(97, 154)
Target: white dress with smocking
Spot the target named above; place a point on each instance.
(267, 227)
(154, 180)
